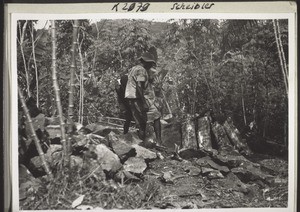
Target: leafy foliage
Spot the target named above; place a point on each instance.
(229, 66)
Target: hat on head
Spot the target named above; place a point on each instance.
(148, 57)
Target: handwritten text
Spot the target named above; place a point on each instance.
(193, 6)
(128, 7)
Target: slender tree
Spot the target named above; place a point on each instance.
(35, 65)
(57, 94)
(34, 136)
(280, 53)
(72, 71)
(21, 43)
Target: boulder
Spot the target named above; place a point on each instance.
(144, 153)
(235, 137)
(207, 161)
(135, 165)
(130, 138)
(189, 140)
(203, 133)
(232, 182)
(171, 134)
(125, 176)
(191, 153)
(192, 170)
(215, 174)
(108, 160)
(38, 122)
(248, 171)
(53, 131)
(76, 161)
(122, 149)
(221, 137)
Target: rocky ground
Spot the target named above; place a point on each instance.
(110, 170)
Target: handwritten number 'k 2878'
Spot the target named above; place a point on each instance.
(135, 7)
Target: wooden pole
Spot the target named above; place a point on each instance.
(34, 136)
(57, 94)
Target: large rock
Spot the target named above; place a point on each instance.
(207, 161)
(189, 140)
(52, 156)
(248, 171)
(130, 138)
(135, 165)
(38, 122)
(236, 137)
(191, 153)
(221, 137)
(231, 182)
(203, 133)
(108, 160)
(171, 134)
(102, 129)
(76, 161)
(118, 146)
(144, 153)
(54, 131)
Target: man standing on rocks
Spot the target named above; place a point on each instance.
(139, 93)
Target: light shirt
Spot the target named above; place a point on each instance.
(137, 74)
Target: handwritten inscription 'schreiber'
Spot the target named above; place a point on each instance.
(192, 6)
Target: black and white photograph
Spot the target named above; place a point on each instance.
(153, 112)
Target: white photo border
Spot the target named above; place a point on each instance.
(292, 99)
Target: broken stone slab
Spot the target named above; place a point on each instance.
(130, 138)
(135, 165)
(221, 137)
(207, 161)
(235, 137)
(54, 120)
(144, 153)
(191, 153)
(38, 122)
(52, 156)
(120, 147)
(124, 176)
(53, 131)
(108, 160)
(215, 174)
(189, 140)
(248, 171)
(203, 133)
(206, 170)
(171, 134)
(193, 170)
(166, 177)
(103, 129)
(231, 182)
(230, 159)
(76, 161)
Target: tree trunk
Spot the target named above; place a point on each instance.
(57, 94)
(277, 38)
(81, 89)
(34, 136)
(243, 105)
(35, 67)
(72, 71)
(22, 34)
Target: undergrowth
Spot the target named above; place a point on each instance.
(67, 186)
